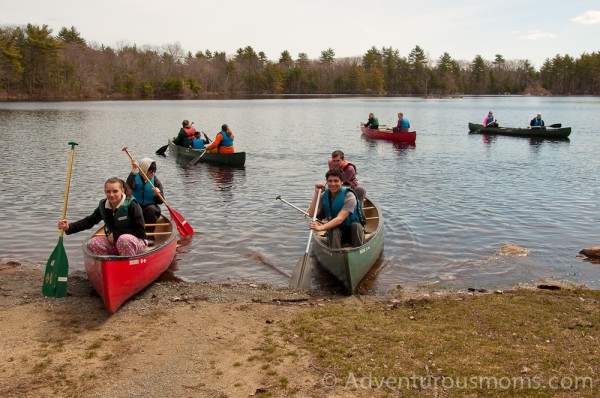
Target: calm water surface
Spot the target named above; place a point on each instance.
(449, 202)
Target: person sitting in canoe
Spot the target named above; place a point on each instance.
(147, 197)
(337, 161)
(186, 134)
(490, 120)
(537, 121)
(125, 234)
(342, 209)
(198, 142)
(372, 123)
(403, 124)
(223, 141)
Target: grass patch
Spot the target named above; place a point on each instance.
(40, 366)
(95, 344)
(521, 343)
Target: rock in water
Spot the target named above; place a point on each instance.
(512, 251)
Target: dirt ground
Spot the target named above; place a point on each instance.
(175, 339)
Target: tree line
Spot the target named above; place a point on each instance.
(35, 64)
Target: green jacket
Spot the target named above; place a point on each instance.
(182, 139)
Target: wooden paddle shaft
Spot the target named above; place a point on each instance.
(145, 176)
(64, 211)
(314, 218)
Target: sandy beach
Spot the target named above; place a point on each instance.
(180, 339)
(175, 339)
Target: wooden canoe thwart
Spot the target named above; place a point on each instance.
(349, 264)
(558, 133)
(118, 278)
(237, 159)
(389, 135)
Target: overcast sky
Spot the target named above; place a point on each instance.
(516, 29)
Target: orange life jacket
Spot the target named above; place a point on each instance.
(189, 132)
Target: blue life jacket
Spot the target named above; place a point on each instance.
(198, 143)
(333, 209)
(537, 122)
(226, 141)
(143, 192)
(405, 124)
(121, 218)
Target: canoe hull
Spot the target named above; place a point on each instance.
(388, 135)
(350, 265)
(544, 132)
(117, 278)
(237, 159)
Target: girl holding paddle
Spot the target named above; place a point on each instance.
(124, 229)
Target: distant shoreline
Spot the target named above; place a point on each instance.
(33, 98)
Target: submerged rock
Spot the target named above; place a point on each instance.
(512, 251)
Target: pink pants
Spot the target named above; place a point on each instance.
(126, 245)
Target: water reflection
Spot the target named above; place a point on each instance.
(488, 140)
(223, 177)
(403, 148)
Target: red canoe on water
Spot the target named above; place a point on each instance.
(388, 134)
(117, 278)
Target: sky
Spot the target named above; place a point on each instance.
(516, 29)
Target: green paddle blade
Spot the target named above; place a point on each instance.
(55, 277)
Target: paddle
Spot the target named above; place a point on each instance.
(57, 267)
(161, 151)
(207, 139)
(303, 270)
(552, 126)
(296, 207)
(183, 227)
(196, 159)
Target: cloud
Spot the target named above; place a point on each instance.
(588, 17)
(537, 35)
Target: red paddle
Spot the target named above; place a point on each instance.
(183, 227)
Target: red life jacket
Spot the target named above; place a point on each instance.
(189, 132)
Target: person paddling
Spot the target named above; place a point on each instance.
(223, 141)
(147, 197)
(490, 120)
(372, 122)
(403, 124)
(186, 134)
(537, 121)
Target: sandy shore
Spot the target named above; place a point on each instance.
(175, 339)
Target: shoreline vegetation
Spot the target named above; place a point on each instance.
(245, 339)
(36, 64)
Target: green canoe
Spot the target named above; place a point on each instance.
(237, 159)
(350, 265)
(559, 133)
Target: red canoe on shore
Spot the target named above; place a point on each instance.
(117, 278)
(388, 134)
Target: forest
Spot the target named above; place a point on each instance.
(37, 65)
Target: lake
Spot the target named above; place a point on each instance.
(450, 202)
